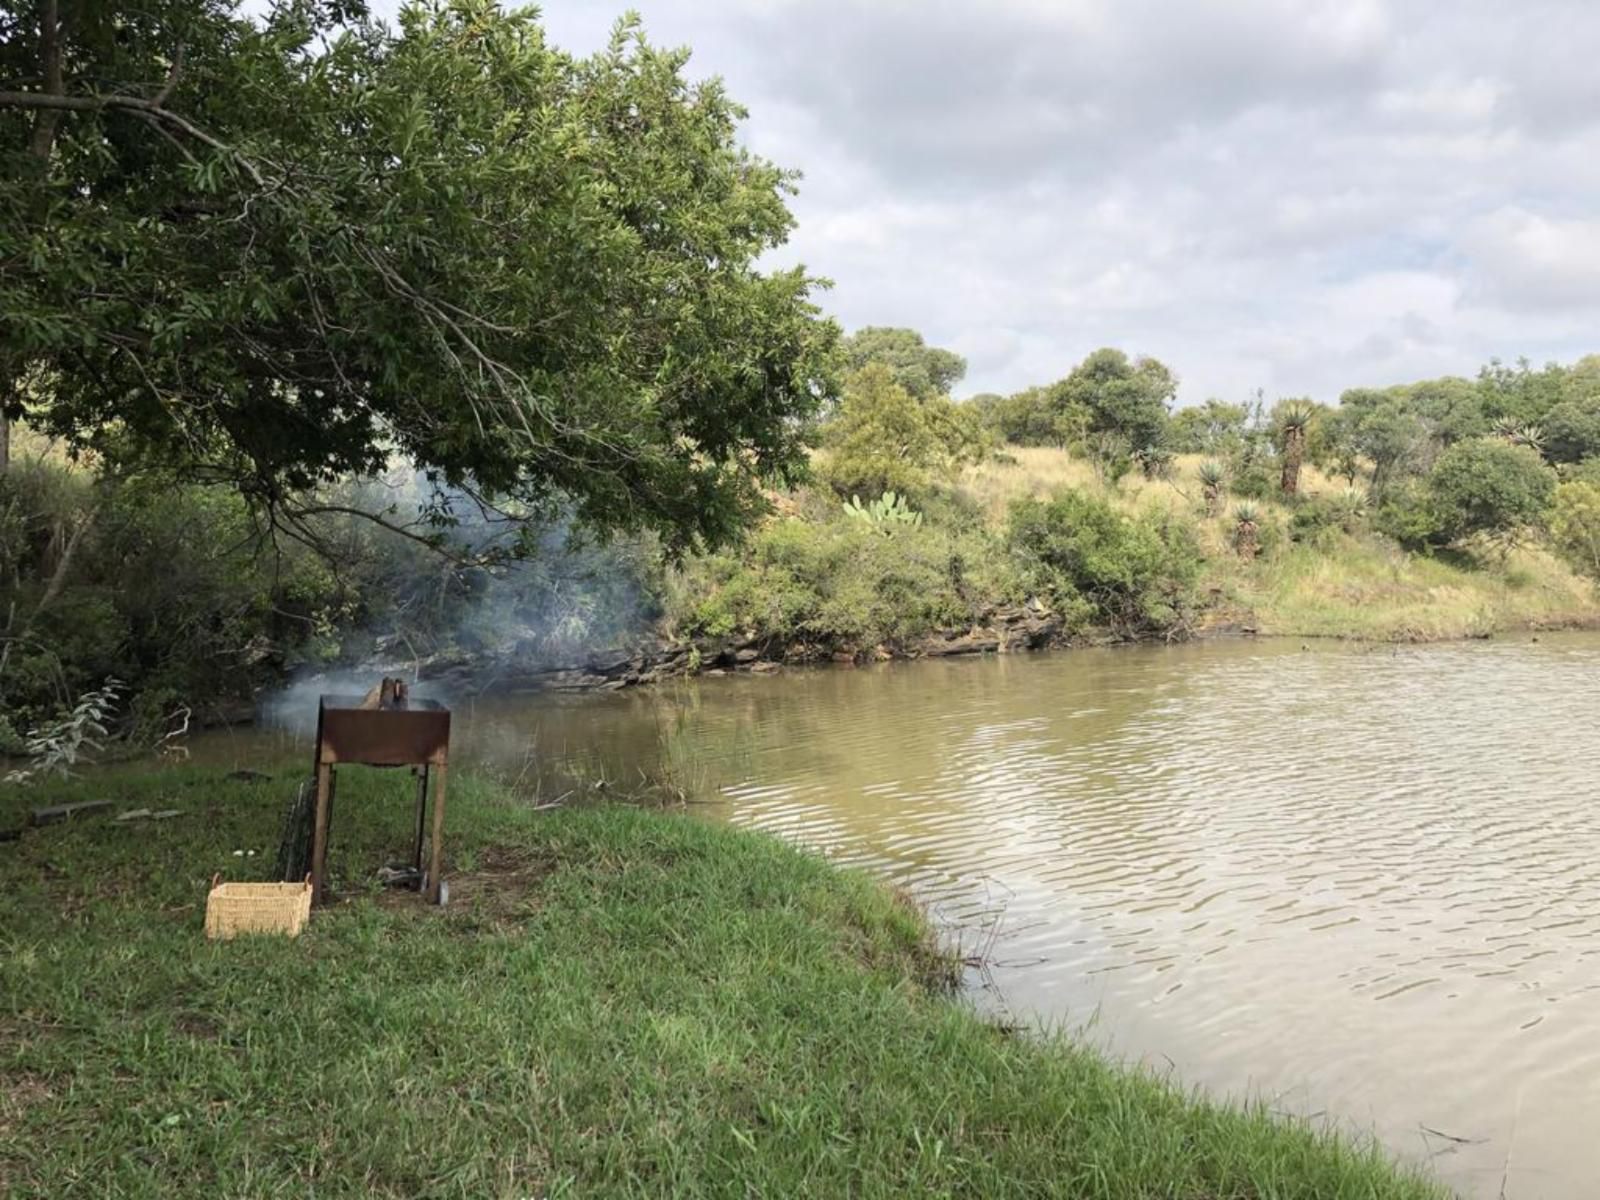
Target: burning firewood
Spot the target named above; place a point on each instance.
(388, 693)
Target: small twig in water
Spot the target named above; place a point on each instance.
(1450, 1137)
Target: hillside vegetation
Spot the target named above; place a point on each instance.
(1446, 508)
(1138, 559)
(1355, 584)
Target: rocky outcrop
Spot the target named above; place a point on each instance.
(1027, 627)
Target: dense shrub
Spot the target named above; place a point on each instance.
(1587, 471)
(1253, 469)
(1134, 574)
(1407, 516)
(1487, 486)
(1215, 428)
(161, 586)
(1572, 432)
(1317, 518)
(179, 592)
(841, 584)
(1575, 526)
(1033, 417)
(1252, 479)
(1312, 523)
(884, 439)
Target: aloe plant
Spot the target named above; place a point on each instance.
(1351, 507)
(1213, 479)
(1247, 531)
(1293, 420)
(1154, 461)
(1519, 433)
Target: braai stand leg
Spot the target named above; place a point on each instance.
(422, 814)
(319, 833)
(435, 871)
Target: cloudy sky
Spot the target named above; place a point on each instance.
(1296, 195)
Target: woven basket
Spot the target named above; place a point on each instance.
(235, 908)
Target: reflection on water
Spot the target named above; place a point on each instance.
(1364, 882)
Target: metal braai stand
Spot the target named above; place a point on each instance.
(387, 730)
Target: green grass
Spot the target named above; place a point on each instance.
(618, 1002)
(1368, 588)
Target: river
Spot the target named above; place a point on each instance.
(1360, 883)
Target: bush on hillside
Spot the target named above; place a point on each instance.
(1488, 487)
(884, 439)
(1587, 471)
(1317, 518)
(1575, 526)
(1033, 417)
(1572, 432)
(842, 584)
(1134, 574)
(1215, 428)
(1253, 469)
(1407, 516)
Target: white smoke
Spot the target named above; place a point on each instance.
(558, 607)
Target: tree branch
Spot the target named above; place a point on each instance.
(133, 104)
(172, 76)
(298, 513)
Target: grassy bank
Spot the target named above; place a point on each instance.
(617, 1002)
(1368, 588)
(1342, 585)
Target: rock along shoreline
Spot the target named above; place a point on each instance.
(520, 668)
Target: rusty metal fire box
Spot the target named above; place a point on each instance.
(396, 732)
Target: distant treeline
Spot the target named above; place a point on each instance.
(1114, 407)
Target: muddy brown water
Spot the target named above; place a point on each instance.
(1359, 883)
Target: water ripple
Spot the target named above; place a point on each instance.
(1359, 880)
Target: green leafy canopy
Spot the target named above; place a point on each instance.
(1488, 487)
(278, 253)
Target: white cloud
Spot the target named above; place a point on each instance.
(1472, 101)
(1301, 195)
(1529, 261)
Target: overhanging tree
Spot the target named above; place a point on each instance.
(281, 252)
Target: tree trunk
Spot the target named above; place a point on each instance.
(42, 142)
(44, 129)
(58, 577)
(52, 590)
(1245, 540)
(1293, 452)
